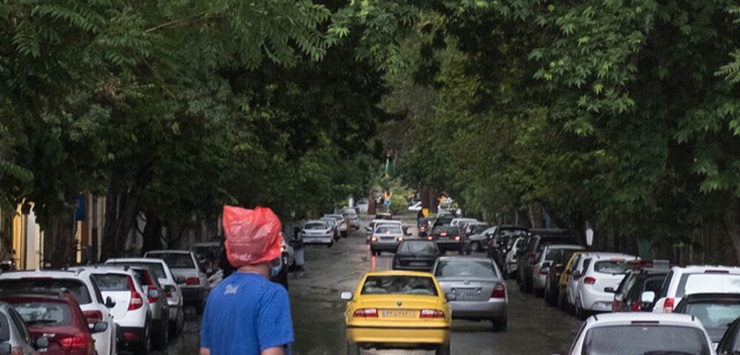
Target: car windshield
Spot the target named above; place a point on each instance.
(315, 226)
(418, 248)
(76, 287)
(715, 316)
(111, 282)
(388, 229)
(156, 268)
(414, 285)
(175, 260)
(465, 268)
(44, 313)
(644, 339)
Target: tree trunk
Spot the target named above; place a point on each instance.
(121, 210)
(60, 245)
(731, 222)
(110, 245)
(152, 234)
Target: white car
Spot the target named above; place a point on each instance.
(512, 263)
(641, 333)
(686, 280)
(317, 232)
(131, 311)
(85, 291)
(350, 214)
(363, 204)
(574, 277)
(374, 223)
(461, 221)
(598, 280)
(183, 263)
(169, 282)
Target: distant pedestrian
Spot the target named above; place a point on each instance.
(245, 313)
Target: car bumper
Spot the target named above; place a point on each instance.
(130, 336)
(384, 246)
(478, 310)
(597, 301)
(539, 281)
(318, 240)
(398, 337)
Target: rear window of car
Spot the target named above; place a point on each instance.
(111, 282)
(613, 267)
(454, 230)
(76, 287)
(44, 313)
(419, 247)
(466, 268)
(155, 267)
(644, 339)
(314, 226)
(388, 229)
(708, 282)
(175, 260)
(413, 285)
(715, 315)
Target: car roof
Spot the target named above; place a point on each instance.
(703, 268)
(464, 257)
(618, 318)
(398, 273)
(136, 260)
(605, 255)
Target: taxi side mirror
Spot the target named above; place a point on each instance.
(346, 296)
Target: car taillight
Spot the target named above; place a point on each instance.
(636, 307)
(136, 301)
(668, 305)
(499, 291)
(544, 270)
(443, 234)
(93, 316)
(431, 313)
(192, 281)
(75, 342)
(430, 237)
(366, 313)
(457, 237)
(589, 280)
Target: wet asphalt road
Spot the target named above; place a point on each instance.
(533, 328)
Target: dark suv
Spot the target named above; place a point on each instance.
(635, 282)
(529, 253)
(450, 238)
(501, 242)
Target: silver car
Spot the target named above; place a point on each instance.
(183, 263)
(475, 288)
(386, 237)
(14, 336)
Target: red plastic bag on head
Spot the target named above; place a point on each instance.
(252, 236)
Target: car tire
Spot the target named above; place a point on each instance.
(353, 348)
(179, 324)
(144, 347)
(500, 324)
(162, 337)
(476, 246)
(443, 350)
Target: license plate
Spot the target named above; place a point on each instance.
(418, 263)
(398, 314)
(467, 296)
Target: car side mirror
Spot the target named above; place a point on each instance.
(610, 290)
(41, 343)
(547, 264)
(451, 296)
(619, 297)
(152, 293)
(647, 297)
(576, 274)
(109, 302)
(99, 327)
(346, 296)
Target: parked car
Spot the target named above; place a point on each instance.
(341, 225)
(715, 311)
(730, 342)
(363, 204)
(478, 234)
(502, 241)
(131, 311)
(15, 338)
(685, 280)
(56, 316)
(627, 297)
(80, 284)
(334, 224)
(544, 259)
(511, 259)
(397, 309)
(642, 333)
(415, 254)
(182, 263)
(478, 289)
(450, 238)
(207, 254)
(552, 288)
(169, 282)
(386, 237)
(461, 221)
(158, 306)
(317, 232)
(570, 265)
(598, 282)
(350, 214)
(529, 253)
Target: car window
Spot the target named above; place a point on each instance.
(415, 285)
(314, 226)
(419, 247)
(44, 313)
(714, 315)
(4, 328)
(446, 229)
(708, 282)
(76, 287)
(157, 268)
(20, 325)
(388, 229)
(465, 268)
(611, 266)
(111, 282)
(644, 339)
(175, 260)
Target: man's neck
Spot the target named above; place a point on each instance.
(261, 268)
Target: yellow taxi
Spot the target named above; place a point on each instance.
(563, 282)
(398, 310)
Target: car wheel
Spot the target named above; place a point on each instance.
(161, 337)
(499, 324)
(477, 247)
(353, 348)
(179, 324)
(443, 350)
(145, 346)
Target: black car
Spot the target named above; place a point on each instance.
(502, 241)
(529, 253)
(627, 296)
(715, 311)
(730, 342)
(442, 220)
(479, 233)
(415, 254)
(450, 237)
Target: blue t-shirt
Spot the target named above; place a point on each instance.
(245, 314)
